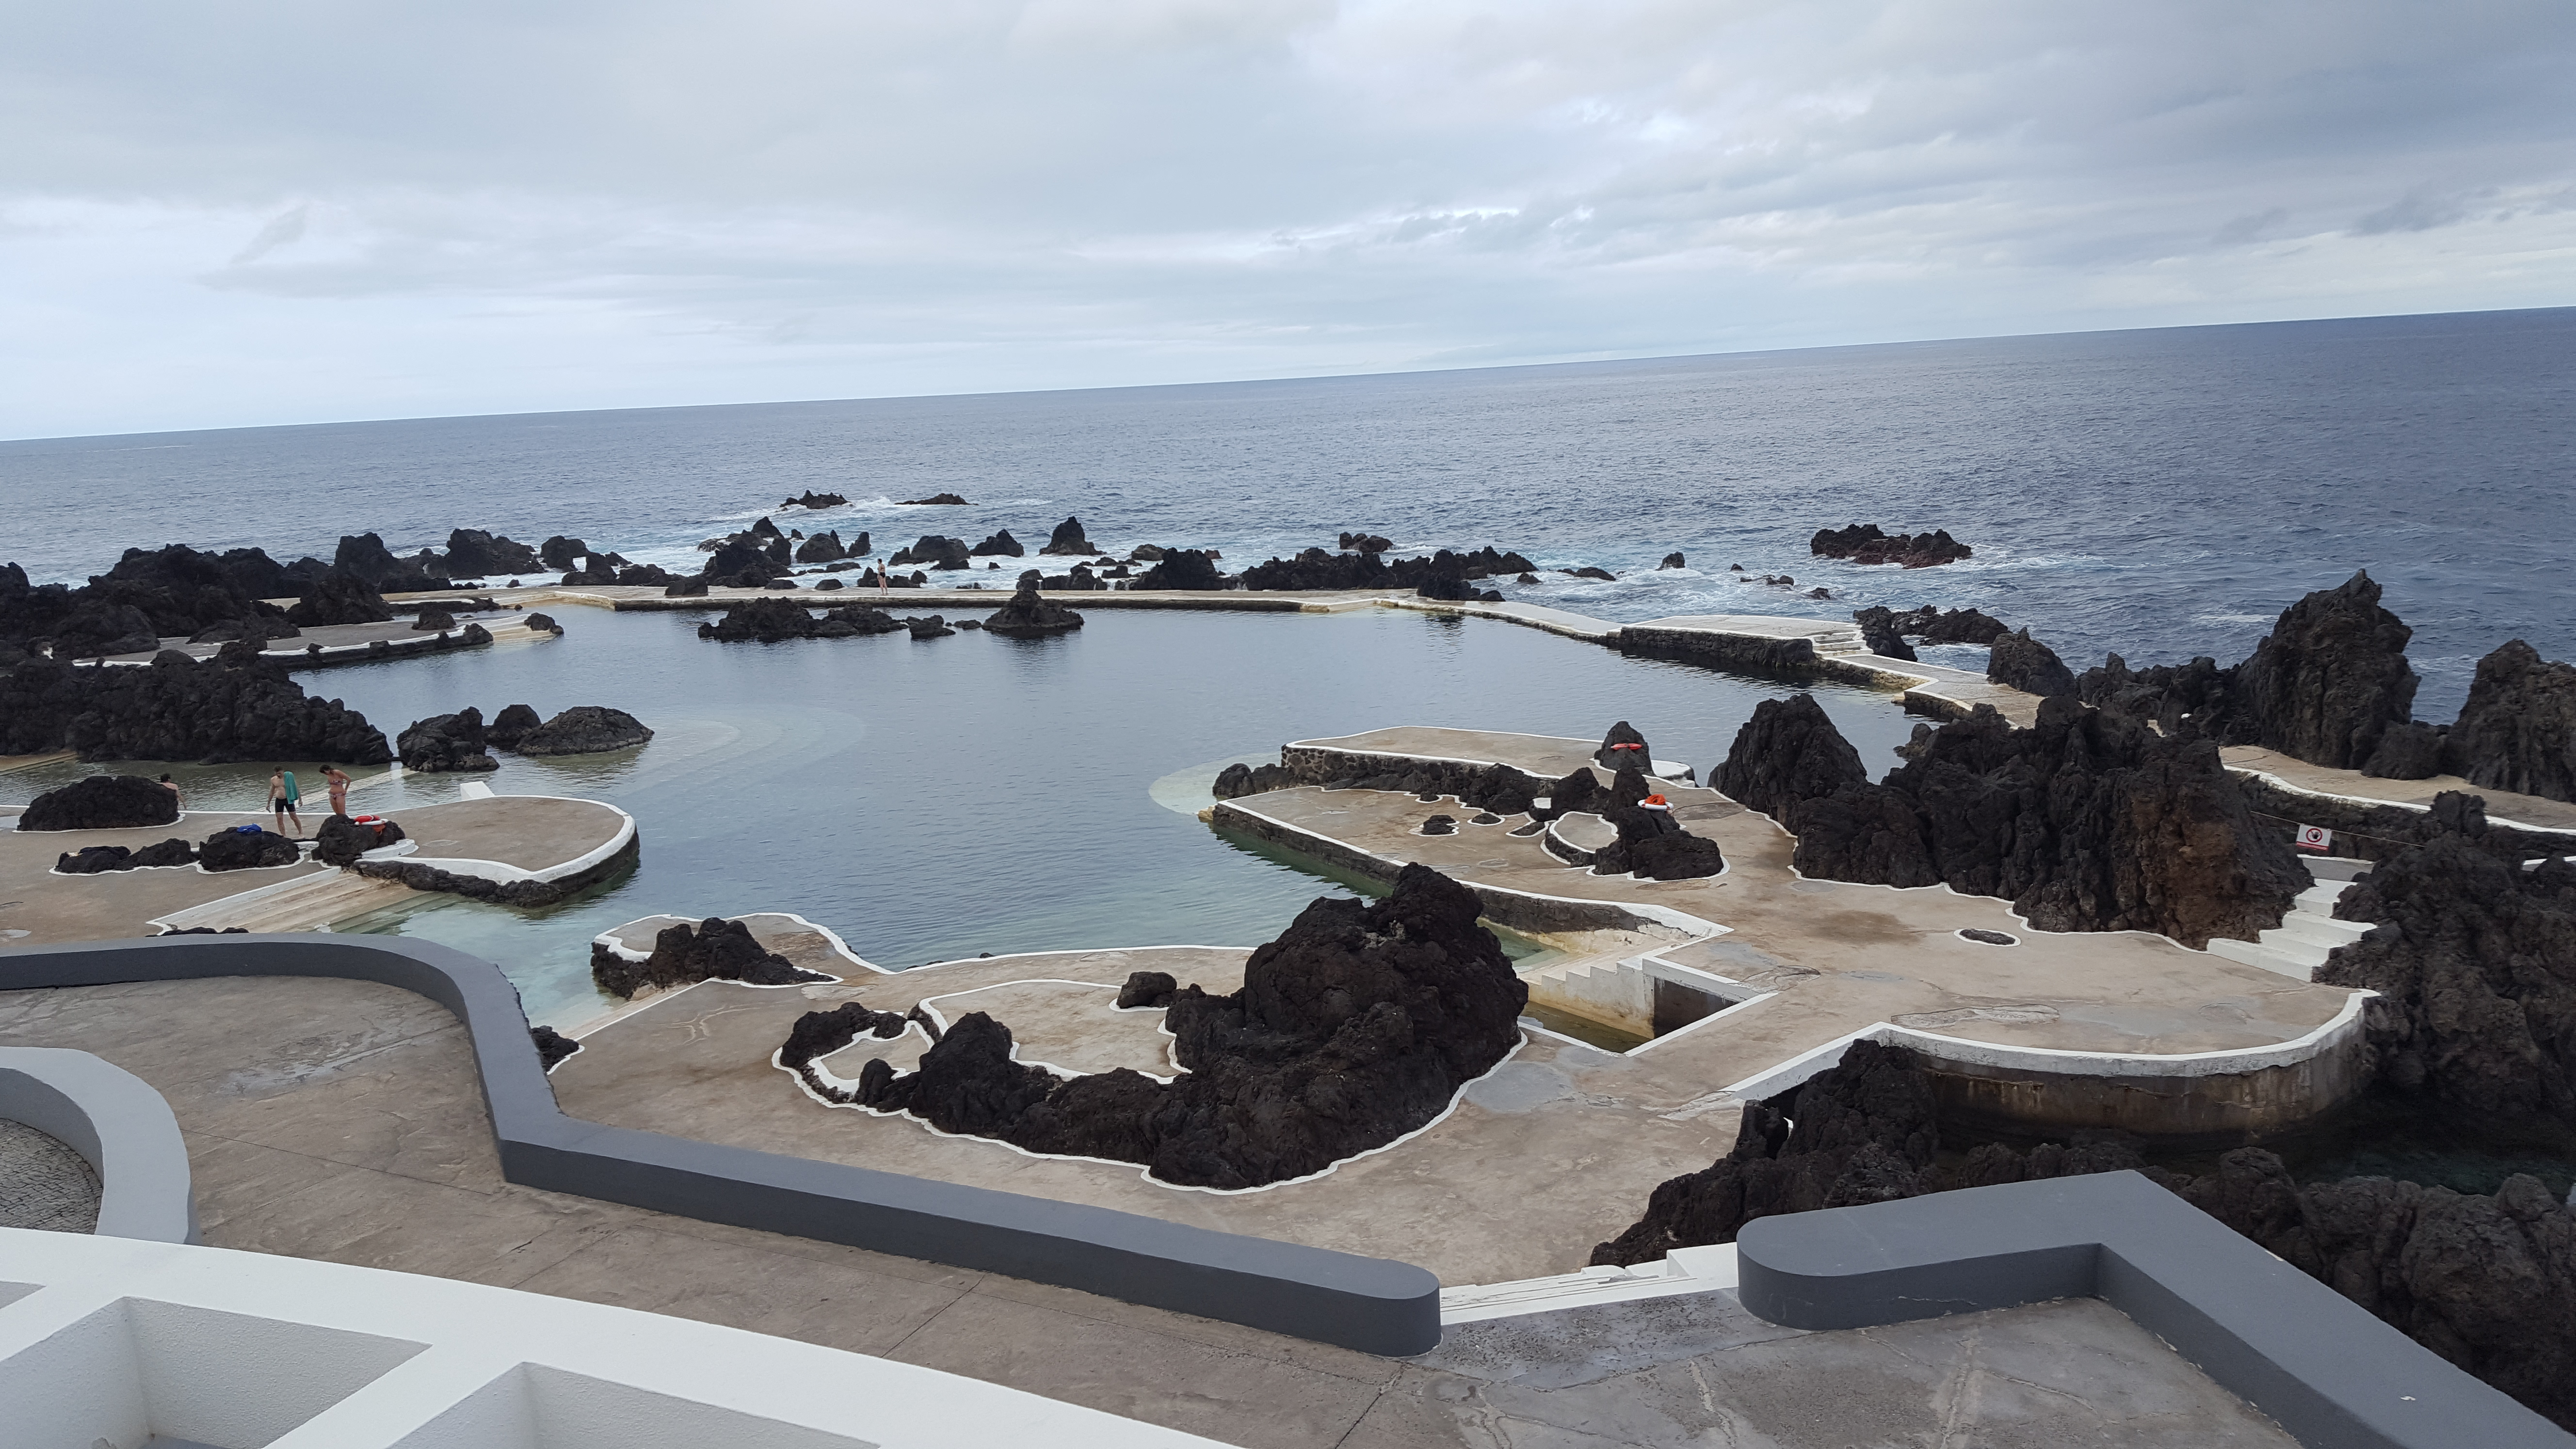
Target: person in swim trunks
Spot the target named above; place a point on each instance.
(282, 798)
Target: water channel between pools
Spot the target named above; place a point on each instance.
(945, 798)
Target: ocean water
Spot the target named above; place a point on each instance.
(2160, 493)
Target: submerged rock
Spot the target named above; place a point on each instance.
(102, 802)
(586, 729)
(1358, 1025)
(1867, 543)
(715, 949)
(1030, 616)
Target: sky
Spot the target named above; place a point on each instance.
(231, 215)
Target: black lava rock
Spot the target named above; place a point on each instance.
(1879, 633)
(812, 499)
(1147, 989)
(102, 802)
(1028, 616)
(553, 1047)
(1787, 752)
(341, 840)
(1356, 1026)
(715, 949)
(1238, 780)
(339, 597)
(2088, 821)
(2020, 662)
(2409, 751)
(1067, 541)
(2518, 730)
(1000, 544)
(586, 729)
(1867, 543)
(446, 742)
(1624, 749)
(1185, 568)
(822, 548)
(246, 847)
(510, 726)
(235, 707)
(928, 626)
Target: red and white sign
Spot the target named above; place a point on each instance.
(2315, 837)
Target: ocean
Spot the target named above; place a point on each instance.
(2158, 493)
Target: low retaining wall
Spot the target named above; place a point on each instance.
(1520, 910)
(2217, 1098)
(1791, 658)
(2374, 830)
(1375, 1305)
(119, 1125)
(2319, 1364)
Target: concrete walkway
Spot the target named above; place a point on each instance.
(340, 1120)
(2503, 806)
(38, 907)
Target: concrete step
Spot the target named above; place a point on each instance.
(2323, 930)
(2334, 867)
(2307, 953)
(2252, 954)
(2320, 898)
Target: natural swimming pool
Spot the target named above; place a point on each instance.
(939, 799)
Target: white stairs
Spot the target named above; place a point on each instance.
(1844, 640)
(2298, 946)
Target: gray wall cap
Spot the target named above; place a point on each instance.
(114, 1119)
(2318, 1363)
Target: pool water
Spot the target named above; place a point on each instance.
(940, 799)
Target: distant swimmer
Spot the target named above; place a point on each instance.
(175, 797)
(282, 798)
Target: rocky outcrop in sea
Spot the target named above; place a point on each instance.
(1183, 568)
(1357, 1025)
(934, 552)
(768, 621)
(1444, 572)
(1068, 542)
(1867, 543)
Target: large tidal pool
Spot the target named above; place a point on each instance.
(939, 799)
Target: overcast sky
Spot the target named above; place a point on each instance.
(214, 215)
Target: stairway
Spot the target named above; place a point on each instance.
(1840, 640)
(2298, 946)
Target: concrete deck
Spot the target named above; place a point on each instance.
(2503, 806)
(341, 1121)
(37, 907)
(343, 643)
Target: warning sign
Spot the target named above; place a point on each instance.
(2315, 837)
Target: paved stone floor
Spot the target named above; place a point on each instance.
(341, 1121)
(44, 1183)
(2530, 810)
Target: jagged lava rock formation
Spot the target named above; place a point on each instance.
(1360, 1023)
(768, 621)
(444, 743)
(1028, 616)
(2086, 821)
(2474, 960)
(2021, 662)
(341, 840)
(1867, 543)
(716, 949)
(246, 848)
(2518, 730)
(102, 802)
(234, 707)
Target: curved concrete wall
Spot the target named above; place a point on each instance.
(2327, 1370)
(1372, 1304)
(115, 1120)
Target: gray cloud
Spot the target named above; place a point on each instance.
(488, 207)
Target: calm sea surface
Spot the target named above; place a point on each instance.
(2163, 494)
